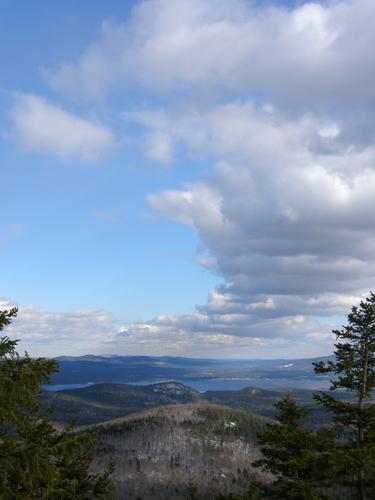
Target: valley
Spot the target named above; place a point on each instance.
(169, 440)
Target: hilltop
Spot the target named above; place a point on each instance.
(103, 402)
(160, 451)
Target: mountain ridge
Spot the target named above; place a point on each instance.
(103, 402)
(98, 369)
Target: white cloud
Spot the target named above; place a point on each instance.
(158, 147)
(298, 58)
(184, 206)
(329, 131)
(45, 128)
(46, 333)
(288, 223)
(281, 102)
(225, 335)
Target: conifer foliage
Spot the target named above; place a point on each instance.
(354, 371)
(36, 460)
(337, 463)
(297, 458)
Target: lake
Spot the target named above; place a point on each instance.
(222, 384)
(65, 387)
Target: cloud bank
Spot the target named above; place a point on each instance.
(281, 102)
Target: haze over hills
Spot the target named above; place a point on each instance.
(101, 369)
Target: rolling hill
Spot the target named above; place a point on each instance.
(163, 452)
(102, 402)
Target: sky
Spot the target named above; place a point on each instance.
(186, 177)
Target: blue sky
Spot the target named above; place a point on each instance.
(78, 235)
(189, 178)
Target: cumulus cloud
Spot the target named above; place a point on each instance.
(279, 215)
(281, 102)
(158, 148)
(226, 334)
(46, 333)
(299, 58)
(45, 128)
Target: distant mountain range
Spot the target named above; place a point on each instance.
(103, 369)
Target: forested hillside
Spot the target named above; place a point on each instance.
(164, 452)
(101, 402)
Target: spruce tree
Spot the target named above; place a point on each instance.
(297, 457)
(354, 372)
(37, 461)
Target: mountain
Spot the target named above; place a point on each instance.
(160, 451)
(259, 401)
(102, 369)
(102, 402)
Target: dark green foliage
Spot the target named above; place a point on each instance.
(135, 424)
(36, 460)
(192, 491)
(341, 461)
(256, 491)
(297, 457)
(101, 402)
(354, 372)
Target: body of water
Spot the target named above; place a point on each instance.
(65, 387)
(223, 384)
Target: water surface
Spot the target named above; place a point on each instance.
(223, 384)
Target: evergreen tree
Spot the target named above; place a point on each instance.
(297, 457)
(354, 372)
(37, 461)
